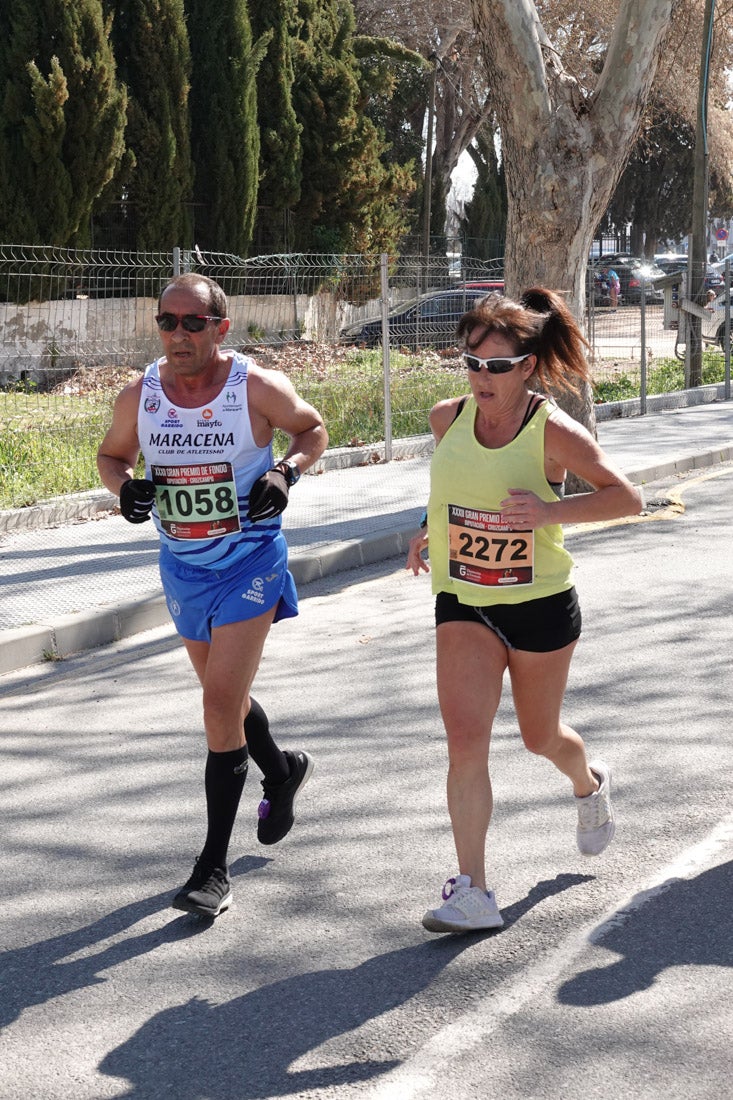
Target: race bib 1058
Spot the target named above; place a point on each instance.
(197, 502)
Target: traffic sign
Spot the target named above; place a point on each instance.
(721, 234)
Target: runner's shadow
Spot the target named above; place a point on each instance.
(252, 1041)
(52, 976)
(684, 924)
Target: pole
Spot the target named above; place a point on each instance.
(427, 197)
(698, 253)
(384, 300)
(642, 379)
(728, 290)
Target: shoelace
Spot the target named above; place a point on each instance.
(214, 879)
(589, 811)
(469, 900)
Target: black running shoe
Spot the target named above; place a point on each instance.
(275, 811)
(208, 892)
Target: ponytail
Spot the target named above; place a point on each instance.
(559, 345)
(538, 324)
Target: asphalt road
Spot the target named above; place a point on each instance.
(611, 977)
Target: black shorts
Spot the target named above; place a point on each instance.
(538, 626)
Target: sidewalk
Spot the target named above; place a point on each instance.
(83, 584)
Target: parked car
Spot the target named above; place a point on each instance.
(670, 262)
(631, 270)
(487, 285)
(429, 321)
(713, 327)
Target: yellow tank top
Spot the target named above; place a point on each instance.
(472, 554)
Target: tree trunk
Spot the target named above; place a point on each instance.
(699, 247)
(564, 147)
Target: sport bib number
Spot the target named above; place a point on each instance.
(484, 551)
(197, 502)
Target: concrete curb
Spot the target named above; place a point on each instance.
(57, 511)
(680, 465)
(662, 402)
(80, 506)
(61, 636)
(71, 634)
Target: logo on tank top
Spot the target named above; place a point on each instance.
(152, 404)
(207, 420)
(231, 402)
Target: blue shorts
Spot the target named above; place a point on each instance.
(200, 599)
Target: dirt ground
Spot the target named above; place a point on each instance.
(300, 355)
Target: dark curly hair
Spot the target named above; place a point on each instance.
(538, 324)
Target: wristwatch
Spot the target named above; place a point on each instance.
(290, 471)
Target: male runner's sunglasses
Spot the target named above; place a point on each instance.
(192, 322)
(493, 366)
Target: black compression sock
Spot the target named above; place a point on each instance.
(271, 760)
(223, 782)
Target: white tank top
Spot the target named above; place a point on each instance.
(203, 462)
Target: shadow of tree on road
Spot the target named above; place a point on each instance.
(36, 974)
(252, 1041)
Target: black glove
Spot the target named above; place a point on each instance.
(137, 496)
(268, 496)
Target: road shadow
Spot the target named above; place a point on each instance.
(686, 923)
(252, 1041)
(543, 890)
(53, 976)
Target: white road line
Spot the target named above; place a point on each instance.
(426, 1072)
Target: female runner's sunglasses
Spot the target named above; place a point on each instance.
(192, 322)
(493, 366)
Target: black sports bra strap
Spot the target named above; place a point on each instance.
(459, 409)
(535, 400)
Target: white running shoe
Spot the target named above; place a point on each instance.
(466, 908)
(596, 825)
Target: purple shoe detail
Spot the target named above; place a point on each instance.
(449, 887)
(275, 812)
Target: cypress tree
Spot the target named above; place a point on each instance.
(150, 42)
(350, 200)
(225, 142)
(62, 119)
(280, 149)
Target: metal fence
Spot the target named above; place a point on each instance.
(76, 325)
